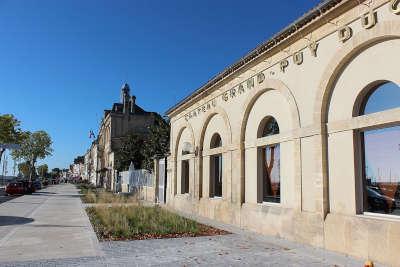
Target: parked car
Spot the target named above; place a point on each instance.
(29, 187)
(15, 188)
(37, 184)
(377, 201)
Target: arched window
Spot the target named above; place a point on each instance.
(269, 177)
(380, 153)
(187, 148)
(268, 126)
(216, 141)
(216, 167)
(382, 97)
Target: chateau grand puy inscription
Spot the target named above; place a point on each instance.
(344, 33)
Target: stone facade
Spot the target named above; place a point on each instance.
(78, 171)
(123, 119)
(309, 78)
(92, 164)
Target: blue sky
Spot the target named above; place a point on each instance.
(63, 62)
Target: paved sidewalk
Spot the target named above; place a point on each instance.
(228, 250)
(49, 224)
(53, 230)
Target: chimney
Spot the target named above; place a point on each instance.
(132, 103)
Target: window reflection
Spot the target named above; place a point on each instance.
(216, 176)
(216, 168)
(383, 97)
(382, 170)
(268, 126)
(269, 162)
(271, 173)
(185, 177)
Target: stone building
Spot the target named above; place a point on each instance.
(92, 164)
(123, 119)
(78, 171)
(294, 139)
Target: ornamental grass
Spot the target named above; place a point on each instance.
(140, 222)
(93, 195)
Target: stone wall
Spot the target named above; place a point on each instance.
(312, 100)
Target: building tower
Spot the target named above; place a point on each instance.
(125, 96)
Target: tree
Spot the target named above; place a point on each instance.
(142, 149)
(157, 142)
(10, 133)
(34, 146)
(43, 170)
(55, 172)
(79, 159)
(131, 150)
(24, 169)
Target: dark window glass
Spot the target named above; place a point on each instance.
(185, 177)
(216, 175)
(216, 141)
(268, 126)
(381, 170)
(383, 97)
(271, 177)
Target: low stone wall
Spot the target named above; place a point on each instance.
(348, 234)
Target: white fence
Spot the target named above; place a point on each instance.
(149, 186)
(139, 182)
(137, 178)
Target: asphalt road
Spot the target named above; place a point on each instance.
(3, 197)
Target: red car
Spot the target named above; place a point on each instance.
(20, 188)
(15, 189)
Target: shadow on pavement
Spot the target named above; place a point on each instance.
(12, 220)
(7, 198)
(59, 226)
(44, 193)
(66, 195)
(24, 202)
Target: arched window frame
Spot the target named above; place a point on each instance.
(363, 194)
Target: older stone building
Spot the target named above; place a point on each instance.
(123, 119)
(300, 138)
(92, 171)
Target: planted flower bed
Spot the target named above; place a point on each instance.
(139, 222)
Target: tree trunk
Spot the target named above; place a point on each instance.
(31, 169)
(1, 153)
